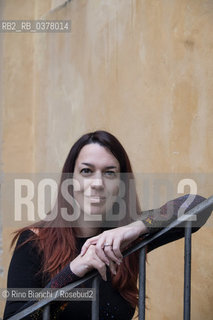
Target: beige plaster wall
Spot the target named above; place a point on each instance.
(140, 69)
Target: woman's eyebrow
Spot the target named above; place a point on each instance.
(91, 165)
(88, 164)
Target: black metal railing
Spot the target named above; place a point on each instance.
(45, 303)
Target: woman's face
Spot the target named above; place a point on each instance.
(97, 173)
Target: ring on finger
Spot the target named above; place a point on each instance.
(107, 245)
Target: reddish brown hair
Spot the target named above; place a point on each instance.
(58, 244)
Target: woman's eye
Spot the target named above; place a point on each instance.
(85, 171)
(110, 174)
(88, 171)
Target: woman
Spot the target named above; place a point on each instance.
(55, 253)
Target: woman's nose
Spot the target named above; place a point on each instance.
(97, 182)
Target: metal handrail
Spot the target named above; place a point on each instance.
(206, 204)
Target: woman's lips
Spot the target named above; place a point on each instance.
(96, 199)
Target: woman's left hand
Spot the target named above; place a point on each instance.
(110, 243)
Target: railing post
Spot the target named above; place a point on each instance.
(142, 283)
(187, 272)
(95, 303)
(46, 313)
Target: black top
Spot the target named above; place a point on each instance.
(26, 262)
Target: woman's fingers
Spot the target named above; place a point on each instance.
(91, 260)
(109, 247)
(83, 264)
(108, 251)
(106, 248)
(116, 248)
(100, 249)
(101, 267)
(113, 267)
(103, 249)
(88, 243)
(118, 238)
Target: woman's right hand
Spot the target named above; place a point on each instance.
(83, 264)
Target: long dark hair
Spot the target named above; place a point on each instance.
(58, 244)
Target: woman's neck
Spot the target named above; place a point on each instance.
(87, 232)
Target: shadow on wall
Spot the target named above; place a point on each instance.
(56, 5)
